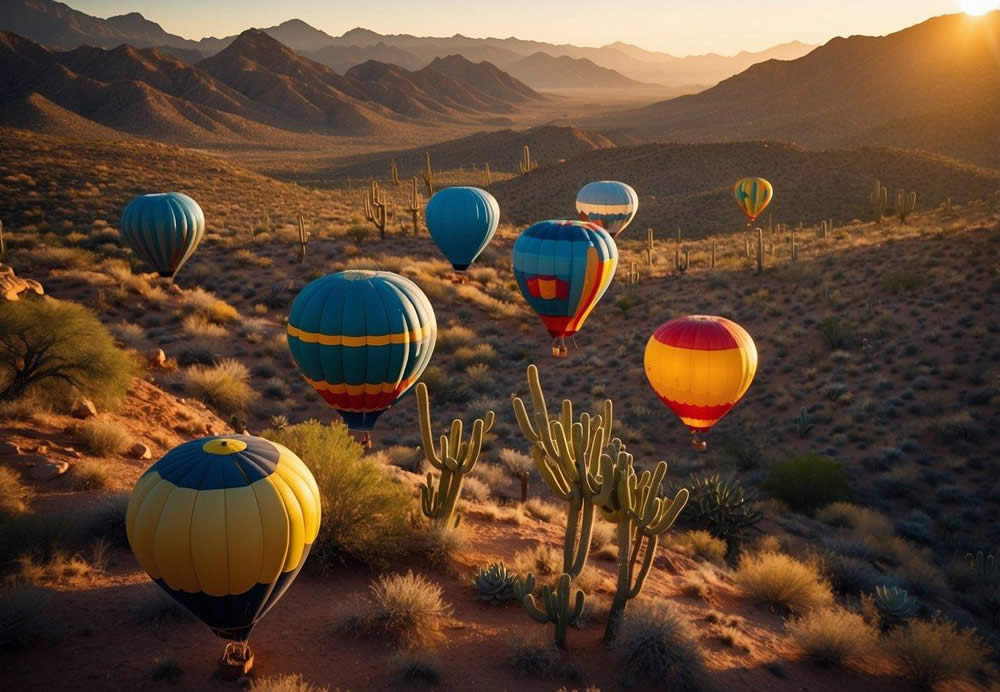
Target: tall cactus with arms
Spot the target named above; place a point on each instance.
(453, 458)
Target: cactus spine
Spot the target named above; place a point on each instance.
(454, 459)
(304, 237)
(760, 250)
(906, 204)
(555, 605)
(489, 175)
(376, 208)
(878, 198)
(415, 202)
(395, 174)
(526, 165)
(428, 174)
(568, 456)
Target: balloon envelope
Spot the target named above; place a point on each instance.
(163, 230)
(753, 195)
(462, 221)
(224, 525)
(700, 366)
(609, 204)
(563, 268)
(362, 339)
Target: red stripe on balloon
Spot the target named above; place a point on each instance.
(694, 411)
(696, 333)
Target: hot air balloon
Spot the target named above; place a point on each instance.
(563, 268)
(462, 221)
(224, 525)
(753, 195)
(163, 230)
(700, 366)
(362, 339)
(609, 204)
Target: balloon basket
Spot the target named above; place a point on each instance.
(559, 349)
(366, 440)
(236, 661)
(698, 444)
(458, 278)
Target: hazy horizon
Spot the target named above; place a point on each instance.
(686, 28)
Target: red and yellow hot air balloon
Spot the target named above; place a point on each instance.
(700, 366)
(753, 195)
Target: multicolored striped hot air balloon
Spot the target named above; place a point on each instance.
(563, 268)
(224, 525)
(753, 195)
(700, 366)
(163, 230)
(462, 221)
(609, 204)
(362, 339)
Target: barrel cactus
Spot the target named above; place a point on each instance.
(495, 583)
(894, 604)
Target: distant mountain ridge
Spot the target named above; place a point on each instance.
(547, 72)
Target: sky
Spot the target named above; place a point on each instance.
(679, 27)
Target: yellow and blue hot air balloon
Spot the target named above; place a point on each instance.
(362, 339)
(224, 525)
(163, 230)
(753, 195)
(609, 204)
(462, 221)
(563, 268)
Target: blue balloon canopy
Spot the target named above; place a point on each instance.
(163, 230)
(462, 221)
(608, 203)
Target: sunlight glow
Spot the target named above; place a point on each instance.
(978, 7)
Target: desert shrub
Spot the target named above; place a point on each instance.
(286, 683)
(537, 658)
(517, 462)
(718, 506)
(480, 353)
(408, 608)
(932, 651)
(441, 544)
(776, 579)
(808, 481)
(546, 511)
(358, 234)
(831, 636)
(195, 325)
(15, 496)
(839, 335)
(698, 544)
(863, 521)
(417, 668)
(62, 257)
(543, 561)
(364, 513)
(103, 437)
(657, 648)
(450, 338)
(901, 281)
(957, 427)
(166, 669)
(90, 475)
(209, 307)
(225, 386)
(602, 535)
(49, 345)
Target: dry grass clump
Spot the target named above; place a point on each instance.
(832, 636)
(543, 561)
(863, 521)
(90, 475)
(480, 353)
(103, 437)
(195, 325)
(286, 683)
(546, 511)
(61, 566)
(225, 385)
(776, 579)
(932, 651)
(507, 514)
(417, 668)
(122, 273)
(211, 308)
(407, 608)
(450, 338)
(603, 534)
(698, 544)
(534, 657)
(658, 649)
(517, 462)
(441, 545)
(15, 496)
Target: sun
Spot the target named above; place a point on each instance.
(978, 7)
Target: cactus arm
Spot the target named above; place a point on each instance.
(639, 580)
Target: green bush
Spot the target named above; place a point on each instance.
(808, 482)
(364, 513)
(51, 346)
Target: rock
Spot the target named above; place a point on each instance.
(69, 451)
(141, 451)
(42, 450)
(47, 470)
(9, 449)
(158, 358)
(83, 408)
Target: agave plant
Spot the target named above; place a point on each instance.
(495, 583)
(719, 506)
(894, 604)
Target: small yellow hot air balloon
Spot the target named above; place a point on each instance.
(753, 195)
(700, 366)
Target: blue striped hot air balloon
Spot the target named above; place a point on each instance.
(362, 339)
(462, 221)
(163, 230)
(563, 268)
(224, 525)
(609, 204)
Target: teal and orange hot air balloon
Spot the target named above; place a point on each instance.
(563, 268)
(462, 221)
(753, 195)
(362, 339)
(224, 525)
(164, 230)
(609, 204)
(700, 366)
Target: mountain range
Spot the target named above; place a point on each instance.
(56, 25)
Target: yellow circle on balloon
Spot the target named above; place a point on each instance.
(223, 446)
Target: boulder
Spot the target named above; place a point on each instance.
(83, 408)
(158, 358)
(141, 451)
(47, 470)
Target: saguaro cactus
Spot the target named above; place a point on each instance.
(760, 250)
(414, 204)
(632, 278)
(878, 198)
(526, 165)
(489, 175)
(304, 237)
(650, 244)
(376, 208)
(394, 172)
(428, 174)
(793, 246)
(568, 456)
(555, 604)
(3, 244)
(713, 253)
(906, 204)
(454, 458)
